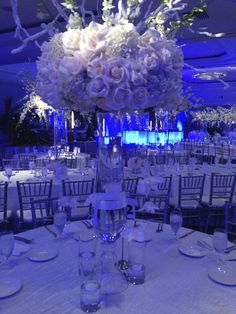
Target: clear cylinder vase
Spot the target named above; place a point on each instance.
(110, 173)
(60, 129)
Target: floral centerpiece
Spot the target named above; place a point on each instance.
(113, 66)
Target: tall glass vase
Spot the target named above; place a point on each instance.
(109, 214)
(60, 129)
(109, 210)
(110, 174)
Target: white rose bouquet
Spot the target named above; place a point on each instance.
(113, 66)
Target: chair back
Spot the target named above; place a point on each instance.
(25, 159)
(130, 186)
(222, 187)
(230, 220)
(81, 190)
(3, 202)
(42, 211)
(32, 190)
(190, 190)
(14, 164)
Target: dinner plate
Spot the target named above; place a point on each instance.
(42, 255)
(225, 274)
(9, 286)
(20, 248)
(192, 250)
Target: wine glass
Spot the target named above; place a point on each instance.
(176, 220)
(6, 247)
(32, 166)
(8, 173)
(220, 244)
(60, 218)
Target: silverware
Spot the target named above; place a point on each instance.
(186, 234)
(230, 248)
(87, 224)
(50, 231)
(203, 244)
(22, 239)
(231, 260)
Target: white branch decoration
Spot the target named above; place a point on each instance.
(22, 33)
(60, 10)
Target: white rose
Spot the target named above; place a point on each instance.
(121, 96)
(97, 87)
(140, 98)
(71, 40)
(71, 66)
(93, 40)
(149, 58)
(96, 67)
(116, 71)
(148, 38)
(137, 74)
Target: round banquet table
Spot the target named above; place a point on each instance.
(174, 283)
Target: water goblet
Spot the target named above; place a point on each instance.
(59, 219)
(8, 173)
(6, 247)
(220, 244)
(32, 166)
(176, 220)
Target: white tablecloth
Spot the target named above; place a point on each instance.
(174, 284)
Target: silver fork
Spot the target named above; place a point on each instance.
(87, 224)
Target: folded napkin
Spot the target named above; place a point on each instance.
(149, 207)
(71, 228)
(68, 201)
(20, 248)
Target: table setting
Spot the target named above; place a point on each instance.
(55, 257)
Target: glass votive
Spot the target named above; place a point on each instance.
(87, 255)
(136, 261)
(90, 296)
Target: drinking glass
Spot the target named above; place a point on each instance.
(220, 243)
(6, 247)
(176, 220)
(87, 255)
(32, 166)
(136, 259)
(60, 218)
(8, 173)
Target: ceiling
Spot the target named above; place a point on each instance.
(200, 51)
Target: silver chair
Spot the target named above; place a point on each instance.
(230, 221)
(28, 191)
(80, 190)
(221, 191)
(190, 198)
(3, 203)
(42, 211)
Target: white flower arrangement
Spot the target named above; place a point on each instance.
(35, 107)
(114, 66)
(216, 115)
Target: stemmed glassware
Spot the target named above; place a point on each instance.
(6, 247)
(176, 220)
(60, 218)
(220, 244)
(32, 166)
(8, 173)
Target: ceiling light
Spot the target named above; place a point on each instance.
(208, 76)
